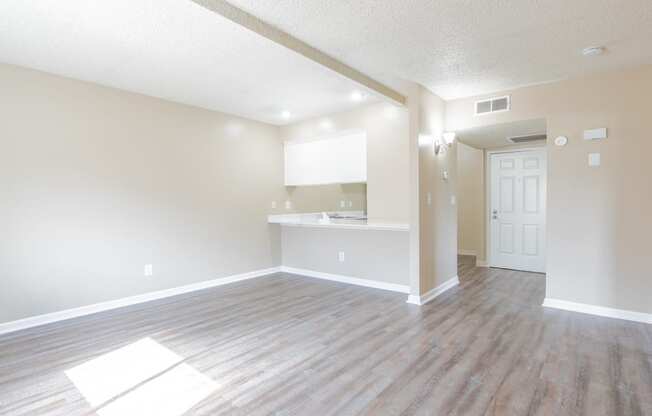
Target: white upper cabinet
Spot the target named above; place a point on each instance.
(328, 160)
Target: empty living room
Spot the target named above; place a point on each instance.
(241, 207)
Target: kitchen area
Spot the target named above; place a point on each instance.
(345, 217)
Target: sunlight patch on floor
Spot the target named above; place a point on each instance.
(142, 378)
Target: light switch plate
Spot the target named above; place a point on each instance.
(594, 159)
(429, 198)
(288, 204)
(595, 134)
(453, 200)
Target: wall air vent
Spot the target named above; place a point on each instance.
(492, 105)
(527, 139)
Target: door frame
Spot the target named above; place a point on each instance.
(487, 196)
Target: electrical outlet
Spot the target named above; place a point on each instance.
(273, 204)
(288, 204)
(342, 204)
(340, 257)
(453, 200)
(594, 159)
(429, 198)
(148, 271)
(350, 204)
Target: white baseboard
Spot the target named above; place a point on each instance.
(433, 293)
(598, 310)
(481, 263)
(394, 287)
(132, 300)
(39, 320)
(463, 252)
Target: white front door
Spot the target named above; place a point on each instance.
(518, 210)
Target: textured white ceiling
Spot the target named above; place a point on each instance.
(172, 49)
(460, 48)
(488, 137)
(177, 50)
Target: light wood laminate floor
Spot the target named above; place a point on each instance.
(292, 345)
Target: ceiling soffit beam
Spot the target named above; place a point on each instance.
(258, 26)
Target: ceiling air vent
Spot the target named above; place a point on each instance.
(527, 139)
(492, 105)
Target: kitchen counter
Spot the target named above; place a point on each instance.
(341, 220)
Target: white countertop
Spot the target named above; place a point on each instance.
(355, 221)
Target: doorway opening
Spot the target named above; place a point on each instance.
(502, 180)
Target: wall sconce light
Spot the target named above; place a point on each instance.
(439, 146)
(449, 137)
(438, 143)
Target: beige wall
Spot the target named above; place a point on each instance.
(438, 221)
(320, 198)
(470, 200)
(97, 182)
(387, 194)
(380, 256)
(598, 218)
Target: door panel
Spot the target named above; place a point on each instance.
(506, 164)
(531, 163)
(518, 208)
(531, 239)
(531, 194)
(506, 238)
(507, 194)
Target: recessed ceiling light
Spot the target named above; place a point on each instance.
(357, 96)
(593, 51)
(326, 124)
(286, 114)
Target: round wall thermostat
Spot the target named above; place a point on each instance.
(561, 141)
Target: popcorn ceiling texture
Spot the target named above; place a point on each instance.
(177, 50)
(460, 48)
(170, 49)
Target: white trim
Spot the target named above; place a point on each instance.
(132, 300)
(462, 252)
(598, 310)
(394, 287)
(481, 263)
(63, 315)
(433, 293)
